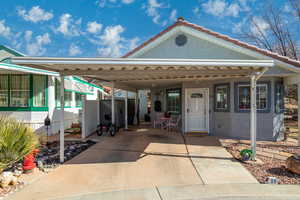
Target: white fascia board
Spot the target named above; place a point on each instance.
(25, 69)
(84, 62)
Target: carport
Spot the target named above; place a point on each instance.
(135, 74)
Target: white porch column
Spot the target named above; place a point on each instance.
(62, 121)
(113, 119)
(126, 110)
(298, 88)
(253, 114)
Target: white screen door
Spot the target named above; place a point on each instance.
(196, 106)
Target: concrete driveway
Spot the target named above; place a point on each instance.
(144, 158)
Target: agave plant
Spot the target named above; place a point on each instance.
(16, 141)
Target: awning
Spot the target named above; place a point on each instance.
(73, 84)
(6, 67)
(140, 73)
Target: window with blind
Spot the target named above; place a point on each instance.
(222, 97)
(78, 99)
(19, 90)
(67, 96)
(39, 92)
(4, 91)
(23, 92)
(262, 97)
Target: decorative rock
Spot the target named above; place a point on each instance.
(293, 164)
(7, 178)
(40, 164)
(17, 173)
(272, 180)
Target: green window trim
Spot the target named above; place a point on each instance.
(30, 106)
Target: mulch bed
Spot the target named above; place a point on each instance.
(49, 154)
(270, 167)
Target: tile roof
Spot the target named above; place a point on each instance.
(182, 22)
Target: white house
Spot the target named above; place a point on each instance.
(30, 97)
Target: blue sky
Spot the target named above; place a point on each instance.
(109, 28)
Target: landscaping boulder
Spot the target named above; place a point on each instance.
(293, 164)
(8, 178)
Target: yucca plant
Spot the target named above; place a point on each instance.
(16, 141)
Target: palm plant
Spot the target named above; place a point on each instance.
(16, 141)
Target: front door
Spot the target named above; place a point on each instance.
(196, 109)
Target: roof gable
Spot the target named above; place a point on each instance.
(217, 38)
(10, 51)
(194, 48)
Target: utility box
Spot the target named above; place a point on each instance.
(105, 112)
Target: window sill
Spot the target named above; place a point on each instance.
(222, 110)
(248, 111)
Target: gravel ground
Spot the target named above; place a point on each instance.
(270, 167)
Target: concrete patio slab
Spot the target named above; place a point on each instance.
(145, 158)
(110, 166)
(214, 164)
(221, 191)
(142, 194)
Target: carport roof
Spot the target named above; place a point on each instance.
(137, 73)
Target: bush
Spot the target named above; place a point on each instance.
(16, 141)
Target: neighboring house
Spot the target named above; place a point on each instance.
(219, 106)
(31, 97)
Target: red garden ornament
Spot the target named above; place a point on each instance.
(29, 161)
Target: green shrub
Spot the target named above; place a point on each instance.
(16, 141)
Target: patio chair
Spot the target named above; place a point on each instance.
(173, 123)
(158, 122)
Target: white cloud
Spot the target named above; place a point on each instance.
(152, 10)
(127, 1)
(244, 4)
(111, 41)
(68, 26)
(28, 35)
(173, 15)
(35, 14)
(4, 30)
(36, 47)
(259, 26)
(74, 50)
(133, 43)
(103, 3)
(196, 10)
(221, 8)
(94, 27)
(214, 7)
(233, 10)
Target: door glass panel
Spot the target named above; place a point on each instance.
(196, 95)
